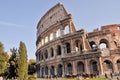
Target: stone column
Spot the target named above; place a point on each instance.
(87, 67)
(61, 30)
(40, 72)
(98, 65)
(63, 70)
(49, 52)
(48, 71)
(101, 66)
(56, 70)
(72, 46)
(55, 53)
(70, 27)
(84, 46)
(74, 68)
(115, 66)
(48, 37)
(43, 40)
(54, 35)
(63, 49)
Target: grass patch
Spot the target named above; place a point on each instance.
(74, 79)
(96, 79)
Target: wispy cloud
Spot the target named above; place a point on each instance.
(9, 24)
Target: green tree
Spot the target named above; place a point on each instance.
(22, 70)
(13, 64)
(3, 58)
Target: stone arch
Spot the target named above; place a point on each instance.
(59, 50)
(103, 43)
(59, 71)
(80, 67)
(93, 66)
(66, 29)
(42, 72)
(108, 66)
(51, 52)
(93, 45)
(41, 56)
(52, 71)
(46, 71)
(69, 68)
(51, 36)
(43, 41)
(68, 47)
(46, 54)
(78, 45)
(46, 39)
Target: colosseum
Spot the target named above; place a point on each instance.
(62, 50)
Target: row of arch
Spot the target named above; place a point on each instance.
(78, 46)
(80, 68)
(51, 53)
(51, 36)
(103, 43)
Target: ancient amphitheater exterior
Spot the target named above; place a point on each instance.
(62, 50)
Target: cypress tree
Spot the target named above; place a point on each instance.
(3, 58)
(22, 71)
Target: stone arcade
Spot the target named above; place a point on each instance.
(63, 50)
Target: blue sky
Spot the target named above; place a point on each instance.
(19, 18)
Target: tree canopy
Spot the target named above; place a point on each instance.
(22, 62)
(3, 58)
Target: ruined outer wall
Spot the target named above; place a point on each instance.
(59, 50)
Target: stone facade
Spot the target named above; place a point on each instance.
(62, 50)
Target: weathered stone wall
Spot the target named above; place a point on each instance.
(63, 51)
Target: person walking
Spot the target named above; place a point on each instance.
(111, 75)
(118, 78)
(106, 75)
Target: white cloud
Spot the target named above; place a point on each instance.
(9, 24)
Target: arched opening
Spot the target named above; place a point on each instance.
(46, 54)
(58, 50)
(118, 64)
(93, 45)
(52, 71)
(108, 66)
(51, 36)
(41, 57)
(42, 72)
(42, 41)
(78, 46)
(81, 48)
(46, 71)
(68, 47)
(118, 28)
(93, 67)
(103, 44)
(60, 70)
(46, 39)
(67, 30)
(80, 68)
(58, 33)
(69, 68)
(52, 52)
